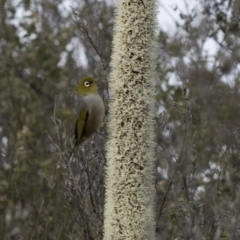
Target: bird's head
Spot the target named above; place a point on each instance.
(87, 86)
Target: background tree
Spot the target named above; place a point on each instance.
(45, 50)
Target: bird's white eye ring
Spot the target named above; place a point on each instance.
(87, 84)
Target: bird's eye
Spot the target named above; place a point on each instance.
(87, 84)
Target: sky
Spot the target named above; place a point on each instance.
(169, 12)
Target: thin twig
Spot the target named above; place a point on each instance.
(40, 209)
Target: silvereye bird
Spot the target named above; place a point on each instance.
(90, 111)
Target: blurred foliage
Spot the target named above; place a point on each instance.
(45, 48)
(198, 154)
(41, 62)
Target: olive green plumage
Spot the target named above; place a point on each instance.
(90, 111)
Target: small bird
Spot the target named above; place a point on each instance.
(90, 111)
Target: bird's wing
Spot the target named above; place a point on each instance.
(80, 124)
